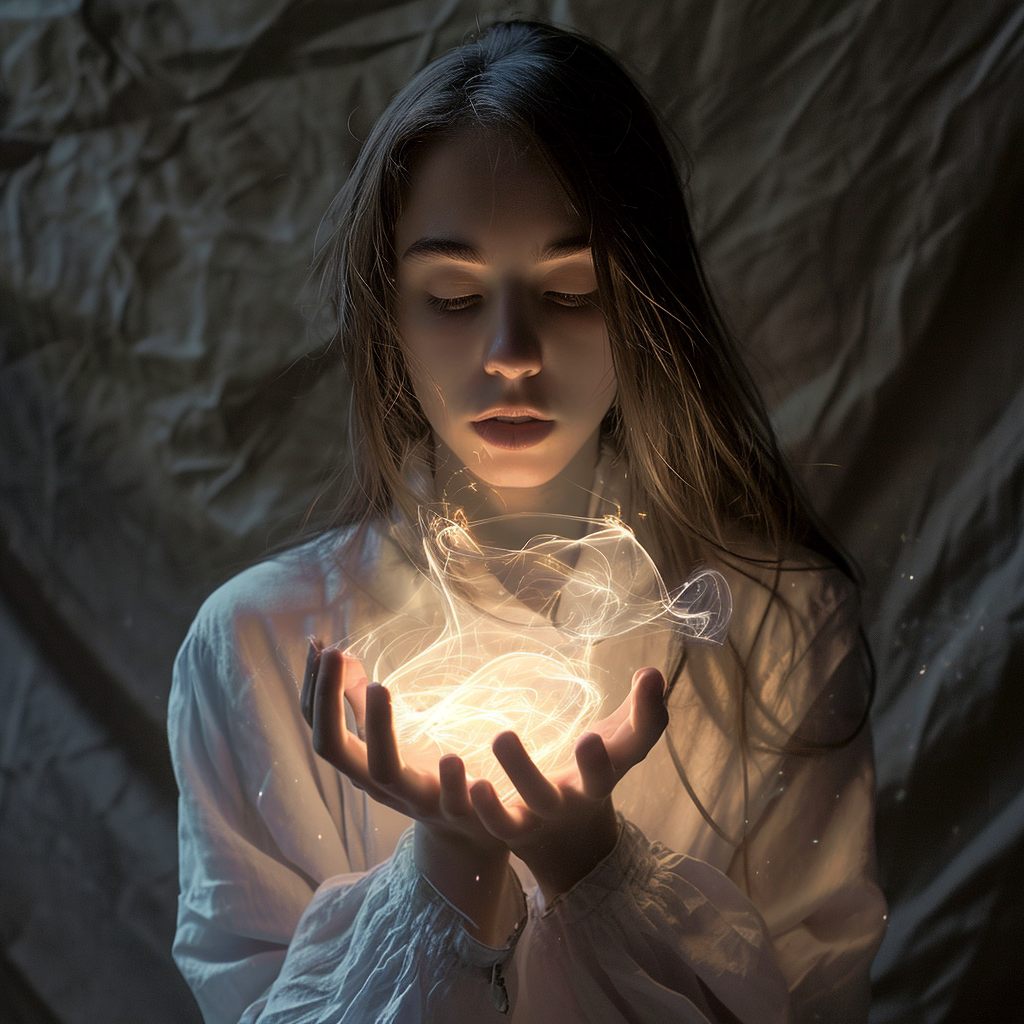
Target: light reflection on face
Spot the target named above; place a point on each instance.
(498, 316)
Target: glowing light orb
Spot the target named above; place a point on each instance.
(541, 697)
(515, 650)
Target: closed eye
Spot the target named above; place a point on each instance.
(572, 299)
(458, 303)
(453, 305)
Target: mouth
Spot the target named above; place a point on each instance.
(513, 429)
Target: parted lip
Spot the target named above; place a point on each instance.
(511, 411)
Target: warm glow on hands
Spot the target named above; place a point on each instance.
(563, 826)
(515, 653)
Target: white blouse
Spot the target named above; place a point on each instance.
(742, 886)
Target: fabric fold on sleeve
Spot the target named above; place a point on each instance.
(387, 947)
(648, 936)
(261, 819)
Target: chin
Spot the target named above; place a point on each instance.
(522, 478)
(515, 470)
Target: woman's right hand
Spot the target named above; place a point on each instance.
(563, 826)
(454, 851)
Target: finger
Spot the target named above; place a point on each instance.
(354, 676)
(597, 773)
(538, 793)
(455, 802)
(331, 739)
(382, 760)
(309, 679)
(648, 717)
(493, 814)
(648, 712)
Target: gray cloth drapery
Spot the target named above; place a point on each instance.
(166, 411)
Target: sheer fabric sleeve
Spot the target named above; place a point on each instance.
(386, 947)
(275, 922)
(650, 936)
(808, 858)
(809, 865)
(258, 819)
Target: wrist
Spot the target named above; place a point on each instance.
(558, 871)
(472, 877)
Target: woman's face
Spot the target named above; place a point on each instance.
(507, 349)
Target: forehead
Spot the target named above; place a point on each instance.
(487, 190)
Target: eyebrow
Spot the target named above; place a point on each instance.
(450, 248)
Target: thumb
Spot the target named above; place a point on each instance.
(648, 714)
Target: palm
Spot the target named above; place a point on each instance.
(562, 827)
(437, 799)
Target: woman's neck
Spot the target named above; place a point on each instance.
(508, 517)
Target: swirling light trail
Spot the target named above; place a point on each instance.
(520, 629)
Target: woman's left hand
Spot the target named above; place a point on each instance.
(452, 848)
(565, 826)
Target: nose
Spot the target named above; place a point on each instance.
(513, 349)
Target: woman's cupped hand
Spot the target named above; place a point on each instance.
(560, 826)
(370, 757)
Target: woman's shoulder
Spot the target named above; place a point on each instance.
(305, 576)
(343, 576)
(795, 635)
(800, 590)
(259, 620)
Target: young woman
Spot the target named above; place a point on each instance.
(530, 340)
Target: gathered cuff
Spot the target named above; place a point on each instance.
(628, 867)
(452, 942)
(387, 946)
(427, 899)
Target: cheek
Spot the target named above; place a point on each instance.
(603, 386)
(432, 370)
(429, 388)
(595, 372)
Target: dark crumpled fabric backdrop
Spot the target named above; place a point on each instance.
(164, 415)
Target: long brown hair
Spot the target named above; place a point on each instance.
(687, 421)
